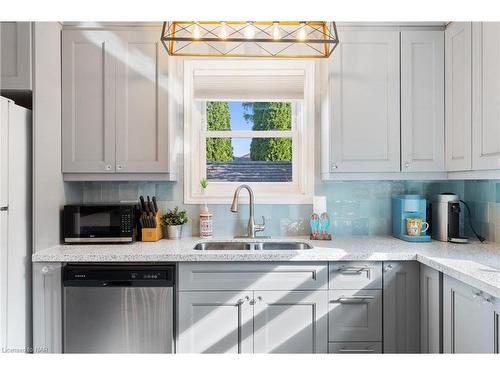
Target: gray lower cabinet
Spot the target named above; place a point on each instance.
(401, 307)
(430, 310)
(246, 307)
(47, 308)
(290, 322)
(355, 347)
(470, 319)
(355, 315)
(355, 275)
(252, 321)
(215, 322)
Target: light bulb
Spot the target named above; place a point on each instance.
(302, 32)
(276, 31)
(249, 31)
(223, 30)
(196, 31)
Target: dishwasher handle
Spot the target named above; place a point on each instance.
(117, 283)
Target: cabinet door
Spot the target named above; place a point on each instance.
(141, 103)
(16, 55)
(365, 134)
(430, 310)
(215, 322)
(47, 307)
(290, 322)
(355, 315)
(401, 307)
(458, 89)
(422, 101)
(88, 102)
(486, 95)
(469, 321)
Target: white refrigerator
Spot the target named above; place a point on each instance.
(15, 228)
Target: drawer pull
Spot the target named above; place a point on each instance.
(355, 299)
(353, 269)
(356, 351)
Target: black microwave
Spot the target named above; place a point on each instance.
(98, 223)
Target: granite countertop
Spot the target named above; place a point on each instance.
(475, 264)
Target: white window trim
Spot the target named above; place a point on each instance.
(301, 190)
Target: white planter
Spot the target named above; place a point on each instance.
(174, 232)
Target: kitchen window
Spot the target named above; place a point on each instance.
(249, 122)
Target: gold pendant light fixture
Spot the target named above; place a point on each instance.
(288, 39)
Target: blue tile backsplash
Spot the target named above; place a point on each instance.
(355, 207)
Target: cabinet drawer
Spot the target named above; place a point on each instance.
(253, 275)
(355, 347)
(355, 315)
(355, 275)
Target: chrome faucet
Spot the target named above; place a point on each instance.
(252, 228)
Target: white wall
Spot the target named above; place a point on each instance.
(49, 191)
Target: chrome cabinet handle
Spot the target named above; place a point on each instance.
(354, 299)
(407, 165)
(119, 167)
(344, 269)
(107, 167)
(241, 301)
(334, 166)
(388, 268)
(356, 350)
(45, 270)
(259, 298)
(477, 294)
(4, 208)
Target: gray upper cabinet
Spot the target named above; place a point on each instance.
(88, 102)
(486, 95)
(422, 101)
(115, 120)
(401, 307)
(141, 104)
(290, 322)
(430, 310)
(458, 88)
(470, 318)
(15, 56)
(364, 102)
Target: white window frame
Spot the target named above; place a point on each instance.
(301, 189)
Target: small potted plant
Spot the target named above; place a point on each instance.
(204, 185)
(174, 220)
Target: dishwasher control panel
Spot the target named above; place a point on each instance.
(118, 275)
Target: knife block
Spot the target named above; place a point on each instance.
(153, 234)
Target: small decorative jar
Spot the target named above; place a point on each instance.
(205, 225)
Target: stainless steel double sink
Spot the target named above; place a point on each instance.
(242, 245)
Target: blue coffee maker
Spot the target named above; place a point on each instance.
(404, 207)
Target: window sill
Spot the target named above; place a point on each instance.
(267, 199)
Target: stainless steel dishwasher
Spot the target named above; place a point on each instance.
(118, 308)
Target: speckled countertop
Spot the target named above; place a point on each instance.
(475, 264)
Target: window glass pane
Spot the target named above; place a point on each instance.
(246, 116)
(249, 159)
